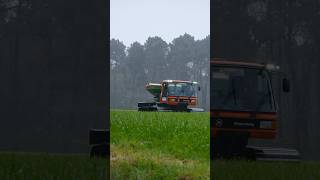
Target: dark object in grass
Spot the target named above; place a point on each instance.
(99, 138)
(230, 145)
(101, 151)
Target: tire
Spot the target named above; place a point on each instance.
(229, 146)
(100, 151)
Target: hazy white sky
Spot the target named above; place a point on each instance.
(136, 20)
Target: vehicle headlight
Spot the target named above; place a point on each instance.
(172, 99)
(266, 124)
(164, 98)
(219, 123)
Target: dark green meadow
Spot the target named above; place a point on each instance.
(234, 170)
(39, 166)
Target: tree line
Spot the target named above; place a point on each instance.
(132, 67)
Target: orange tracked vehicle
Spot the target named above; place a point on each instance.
(243, 106)
(172, 95)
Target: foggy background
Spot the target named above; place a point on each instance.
(138, 20)
(132, 67)
(154, 40)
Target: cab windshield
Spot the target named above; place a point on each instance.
(242, 89)
(181, 89)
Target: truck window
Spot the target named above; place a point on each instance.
(241, 89)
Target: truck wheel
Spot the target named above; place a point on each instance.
(218, 148)
(101, 151)
(229, 145)
(181, 107)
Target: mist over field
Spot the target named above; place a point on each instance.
(132, 67)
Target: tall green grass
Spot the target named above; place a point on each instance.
(163, 145)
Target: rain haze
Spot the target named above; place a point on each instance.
(137, 20)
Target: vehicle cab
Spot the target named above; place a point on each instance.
(176, 91)
(242, 99)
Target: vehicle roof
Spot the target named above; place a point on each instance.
(233, 62)
(182, 81)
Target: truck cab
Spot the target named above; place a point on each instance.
(171, 95)
(175, 92)
(242, 104)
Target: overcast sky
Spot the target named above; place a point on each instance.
(136, 20)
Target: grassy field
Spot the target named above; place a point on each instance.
(159, 145)
(234, 170)
(25, 166)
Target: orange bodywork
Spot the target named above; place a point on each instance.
(221, 61)
(174, 100)
(253, 132)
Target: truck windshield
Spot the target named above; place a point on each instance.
(181, 89)
(241, 89)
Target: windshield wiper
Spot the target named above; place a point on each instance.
(263, 98)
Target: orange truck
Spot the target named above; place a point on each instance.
(172, 95)
(243, 106)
